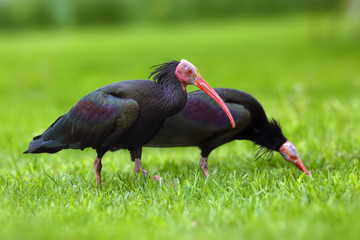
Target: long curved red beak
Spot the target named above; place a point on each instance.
(200, 83)
(289, 153)
(301, 166)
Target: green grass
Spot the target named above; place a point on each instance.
(304, 71)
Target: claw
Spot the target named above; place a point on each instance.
(158, 179)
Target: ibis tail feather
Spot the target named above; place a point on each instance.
(39, 145)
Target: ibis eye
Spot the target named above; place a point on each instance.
(189, 71)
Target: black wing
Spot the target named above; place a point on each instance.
(95, 121)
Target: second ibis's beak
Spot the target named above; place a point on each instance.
(289, 153)
(200, 83)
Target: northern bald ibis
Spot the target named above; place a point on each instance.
(202, 123)
(124, 115)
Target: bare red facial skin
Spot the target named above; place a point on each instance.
(289, 153)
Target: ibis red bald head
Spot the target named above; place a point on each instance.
(188, 74)
(289, 153)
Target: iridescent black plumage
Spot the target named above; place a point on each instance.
(123, 115)
(164, 71)
(94, 120)
(161, 75)
(201, 123)
(269, 138)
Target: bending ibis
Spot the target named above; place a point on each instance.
(124, 115)
(201, 123)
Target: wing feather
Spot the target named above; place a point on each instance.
(94, 121)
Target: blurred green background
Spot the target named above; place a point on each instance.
(300, 59)
(60, 13)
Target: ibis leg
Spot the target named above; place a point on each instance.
(205, 152)
(136, 157)
(204, 166)
(97, 167)
(139, 168)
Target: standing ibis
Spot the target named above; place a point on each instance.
(201, 123)
(124, 115)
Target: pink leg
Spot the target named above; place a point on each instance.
(204, 166)
(138, 167)
(97, 167)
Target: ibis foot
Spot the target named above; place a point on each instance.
(204, 166)
(97, 167)
(158, 179)
(139, 168)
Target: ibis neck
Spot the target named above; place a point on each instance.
(174, 96)
(268, 135)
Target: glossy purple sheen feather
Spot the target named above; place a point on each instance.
(120, 115)
(192, 129)
(94, 112)
(201, 124)
(203, 112)
(124, 115)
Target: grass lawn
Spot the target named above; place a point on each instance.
(305, 72)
